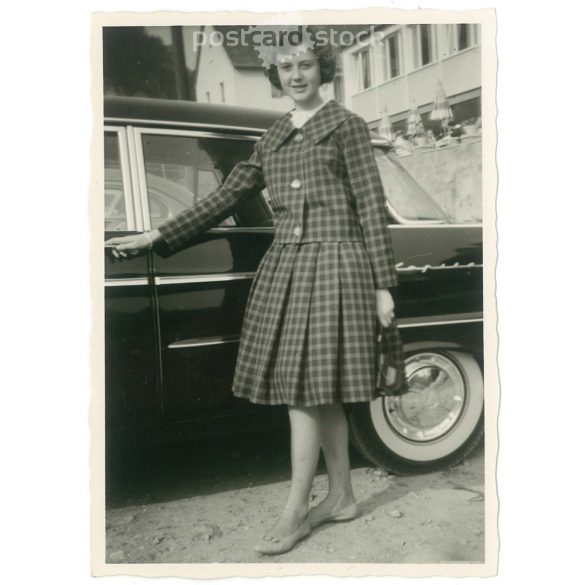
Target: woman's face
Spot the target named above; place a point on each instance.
(300, 77)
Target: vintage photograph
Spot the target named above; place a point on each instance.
(294, 357)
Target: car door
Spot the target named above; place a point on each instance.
(200, 291)
(130, 335)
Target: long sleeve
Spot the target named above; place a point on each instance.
(366, 184)
(244, 179)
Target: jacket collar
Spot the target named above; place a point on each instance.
(322, 123)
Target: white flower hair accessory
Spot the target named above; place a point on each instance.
(279, 42)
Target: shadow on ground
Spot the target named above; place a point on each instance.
(209, 466)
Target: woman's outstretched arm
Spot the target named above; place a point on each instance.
(245, 178)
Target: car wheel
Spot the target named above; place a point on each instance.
(437, 423)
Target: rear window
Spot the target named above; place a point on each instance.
(406, 199)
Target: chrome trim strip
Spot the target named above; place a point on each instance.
(391, 226)
(142, 122)
(125, 163)
(126, 281)
(204, 341)
(433, 225)
(410, 323)
(238, 229)
(241, 229)
(223, 277)
(425, 267)
(142, 185)
(143, 125)
(220, 340)
(125, 171)
(194, 133)
(134, 173)
(202, 278)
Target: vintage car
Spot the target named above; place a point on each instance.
(172, 321)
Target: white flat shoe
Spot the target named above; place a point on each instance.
(277, 546)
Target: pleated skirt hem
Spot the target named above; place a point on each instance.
(308, 336)
(305, 403)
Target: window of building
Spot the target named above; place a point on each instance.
(363, 63)
(467, 35)
(339, 87)
(222, 91)
(462, 36)
(423, 44)
(208, 95)
(392, 56)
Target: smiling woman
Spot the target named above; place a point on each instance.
(321, 55)
(309, 331)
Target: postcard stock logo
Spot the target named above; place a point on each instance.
(272, 42)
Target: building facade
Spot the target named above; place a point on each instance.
(400, 67)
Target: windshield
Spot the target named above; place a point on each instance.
(407, 199)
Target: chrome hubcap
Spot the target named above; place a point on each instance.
(434, 402)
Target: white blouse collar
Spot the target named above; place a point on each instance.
(299, 117)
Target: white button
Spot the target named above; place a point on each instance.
(298, 137)
(296, 184)
(297, 231)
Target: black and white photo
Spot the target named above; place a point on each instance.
(298, 354)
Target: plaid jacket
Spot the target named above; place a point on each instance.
(324, 186)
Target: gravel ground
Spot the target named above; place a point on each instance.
(212, 501)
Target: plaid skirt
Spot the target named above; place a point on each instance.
(309, 330)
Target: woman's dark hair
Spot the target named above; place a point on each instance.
(326, 57)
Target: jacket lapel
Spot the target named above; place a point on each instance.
(329, 117)
(278, 132)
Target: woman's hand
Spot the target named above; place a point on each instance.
(125, 246)
(384, 306)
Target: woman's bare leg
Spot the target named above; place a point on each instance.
(334, 440)
(305, 446)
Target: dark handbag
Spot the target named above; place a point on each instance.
(390, 370)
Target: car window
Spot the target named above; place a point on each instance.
(183, 169)
(114, 204)
(207, 181)
(405, 196)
